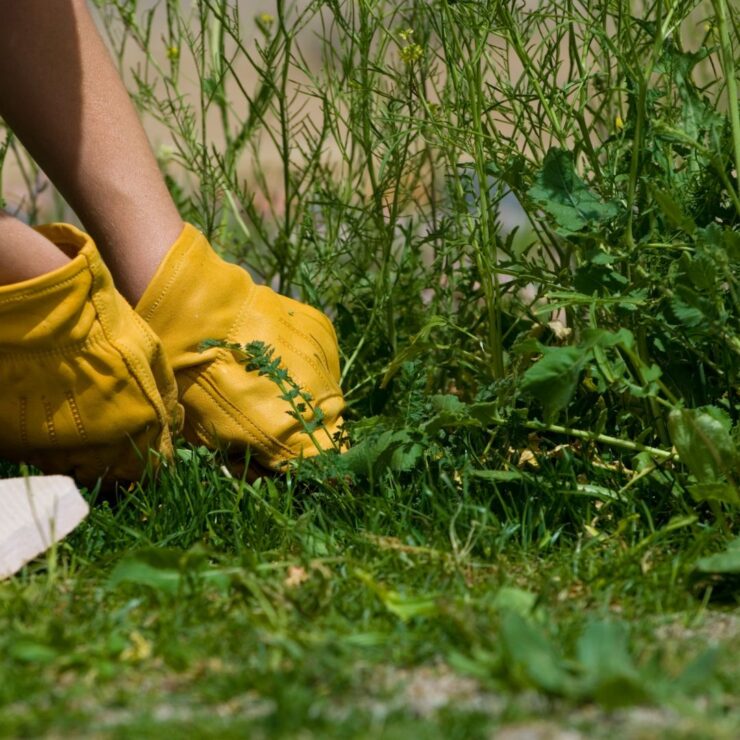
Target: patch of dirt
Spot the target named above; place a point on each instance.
(425, 690)
(538, 730)
(428, 689)
(712, 627)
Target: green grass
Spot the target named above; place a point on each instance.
(544, 421)
(205, 603)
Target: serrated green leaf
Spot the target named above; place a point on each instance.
(405, 456)
(404, 606)
(701, 270)
(685, 313)
(715, 492)
(673, 212)
(450, 412)
(391, 450)
(603, 338)
(132, 570)
(515, 600)
(165, 570)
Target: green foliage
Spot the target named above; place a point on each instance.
(566, 197)
(722, 562)
(524, 221)
(702, 438)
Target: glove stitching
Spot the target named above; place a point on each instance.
(206, 437)
(132, 363)
(270, 445)
(74, 408)
(210, 441)
(33, 292)
(309, 338)
(77, 416)
(51, 429)
(23, 420)
(237, 321)
(174, 271)
(146, 332)
(62, 351)
(269, 442)
(310, 360)
(315, 314)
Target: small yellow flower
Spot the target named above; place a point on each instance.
(619, 123)
(265, 19)
(173, 52)
(411, 53)
(139, 649)
(406, 34)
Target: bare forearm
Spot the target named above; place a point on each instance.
(62, 95)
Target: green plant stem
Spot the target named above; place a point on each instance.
(710, 155)
(533, 75)
(469, 76)
(484, 241)
(643, 79)
(286, 391)
(728, 64)
(623, 444)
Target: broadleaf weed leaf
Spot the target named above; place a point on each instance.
(726, 562)
(566, 197)
(702, 438)
(554, 377)
(532, 657)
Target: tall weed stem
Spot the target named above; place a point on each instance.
(728, 64)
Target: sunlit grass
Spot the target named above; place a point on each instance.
(544, 419)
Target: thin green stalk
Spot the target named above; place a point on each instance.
(728, 64)
(482, 233)
(589, 436)
(485, 242)
(624, 444)
(285, 141)
(532, 75)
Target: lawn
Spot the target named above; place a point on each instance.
(523, 219)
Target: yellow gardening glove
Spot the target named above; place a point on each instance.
(195, 296)
(86, 389)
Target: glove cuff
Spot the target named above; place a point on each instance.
(52, 311)
(191, 298)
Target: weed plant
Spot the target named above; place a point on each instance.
(523, 219)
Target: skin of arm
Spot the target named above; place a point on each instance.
(62, 96)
